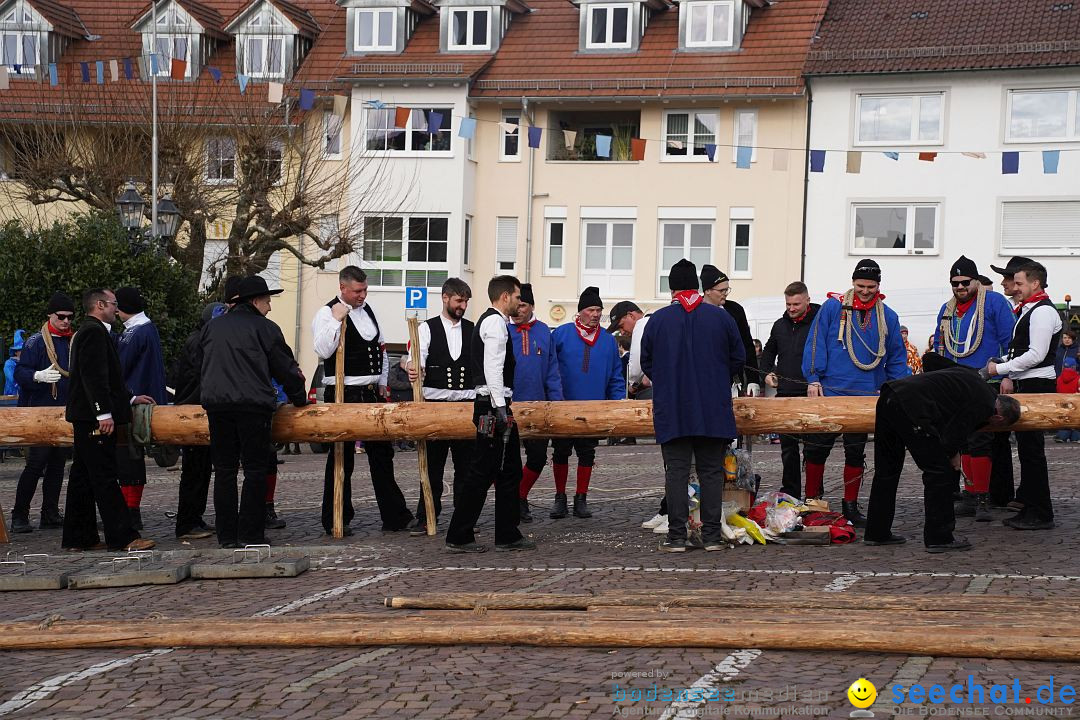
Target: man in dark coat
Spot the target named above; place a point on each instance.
(930, 415)
(239, 354)
(715, 288)
(99, 403)
(690, 351)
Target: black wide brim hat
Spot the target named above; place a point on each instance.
(253, 287)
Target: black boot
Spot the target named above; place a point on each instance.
(51, 520)
(21, 524)
(852, 513)
(581, 508)
(982, 508)
(965, 506)
(136, 518)
(273, 522)
(523, 511)
(558, 510)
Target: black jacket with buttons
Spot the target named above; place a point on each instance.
(784, 351)
(97, 385)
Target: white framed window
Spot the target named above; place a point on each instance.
(709, 24)
(608, 26)
(406, 251)
(466, 242)
(742, 238)
(1040, 227)
(221, 160)
(608, 260)
(510, 142)
(896, 228)
(328, 234)
(690, 239)
(745, 134)
(171, 46)
(375, 30)
(382, 136)
(469, 29)
(900, 119)
(332, 129)
(555, 246)
(1042, 115)
(264, 56)
(506, 229)
(686, 133)
(19, 48)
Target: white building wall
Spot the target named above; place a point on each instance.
(969, 191)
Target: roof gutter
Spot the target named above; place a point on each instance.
(637, 98)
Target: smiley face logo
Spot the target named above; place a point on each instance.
(862, 693)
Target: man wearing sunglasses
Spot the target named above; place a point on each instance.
(42, 375)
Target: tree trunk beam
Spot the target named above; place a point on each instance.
(186, 424)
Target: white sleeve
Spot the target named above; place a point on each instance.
(1044, 323)
(634, 373)
(325, 331)
(384, 376)
(424, 333)
(493, 332)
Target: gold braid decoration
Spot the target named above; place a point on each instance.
(948, 342)
(847, 319)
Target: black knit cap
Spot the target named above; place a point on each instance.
(683, 276)
(867, 270)
(59, 302)
(711, 276)
(232, 287)
(964, 267)
(129, 300)
(590, 298)
(526, 294)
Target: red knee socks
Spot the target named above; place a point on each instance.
(561, 472)
(977, 473)
(852, 482)
(132, 495)
(528, 479)
(815, 479)
(271, 486)
(583, 476)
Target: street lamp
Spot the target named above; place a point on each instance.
(130, 205)
(168, 219)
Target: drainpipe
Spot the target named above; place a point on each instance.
(529, 206)
(806, 181)
(299, 304)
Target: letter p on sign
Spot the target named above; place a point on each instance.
(415, 298)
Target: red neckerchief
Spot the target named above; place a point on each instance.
(801, 317)
(60, 333)
(1041, 295)
(588, 335)
(524, 328)
(689, 299)
(962, 308)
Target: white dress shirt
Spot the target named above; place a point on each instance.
(494, 332)
(326, 330)
(136, 320)
(452, 330)
(634, 373)
(1045, 323)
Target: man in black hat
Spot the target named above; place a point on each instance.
(626, 318)
(143, 363)
(591, 369)
(98, 404)
(42, 374)
(239, 354)
(1008, 285)
(716, 287)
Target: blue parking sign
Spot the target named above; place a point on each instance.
(415, 298)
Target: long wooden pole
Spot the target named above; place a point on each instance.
(339, 447)
(421, 445)
(186, 424)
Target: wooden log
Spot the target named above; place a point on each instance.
(338, 527)
(421, 445)
(186, 424)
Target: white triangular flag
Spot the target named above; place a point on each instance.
(275, 90)
(569, 136)
(340, 101)
(675, 144)
(976, 155)
(4, 77)
(509, 128)
(114, 70)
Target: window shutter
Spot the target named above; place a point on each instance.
(506, 243)
(1048, 225)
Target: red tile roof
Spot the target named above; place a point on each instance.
(63, 19)
(894, 36)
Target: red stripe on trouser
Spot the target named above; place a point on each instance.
(852, 482)
(528, 479)
(815, 479)
(132, 495)
(271, 486)
(583, 476)
(561, 472)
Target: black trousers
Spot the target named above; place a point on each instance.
(584, 448)
(437, 450)
(47, 461)
(708, 455)
(240, 438)
(93, 483)
(818, 447)
(380, 456)
(194, 487)
(893, 434)
(494, 462)
(535, 454)
(1001, 469)
(792, 461)
(1034, 490)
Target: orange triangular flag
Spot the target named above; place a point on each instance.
(637, 149)
(178, 69)
(401, 117)
(928, 156)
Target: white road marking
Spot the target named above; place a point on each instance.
(908, 674)
(842, 583)
(978, 586)
(327, 594)
(339, 669)
(725, 671)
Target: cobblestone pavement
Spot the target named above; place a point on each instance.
(609, 551)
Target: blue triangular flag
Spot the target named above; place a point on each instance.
(1010, 163)
(817, 161)
(214, 73)
(892, 155)
(377, 104)
(535, 134)
(467, 128)
(1050, 161)
(434, 122)
(742, 157)
(710, 151)
(603, 146)
(153, 64)
(53, 80)
(243, 81)
(129, 69)
(307, 99)
(84, 68)
(17, 68)
(100, 72)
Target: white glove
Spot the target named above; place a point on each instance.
(753, 390)
(48, 375)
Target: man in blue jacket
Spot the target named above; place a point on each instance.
(853, 349)
(42, 375)
(591, 369)
(691, 350)
(536, 377)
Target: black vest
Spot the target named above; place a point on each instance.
(442, 371)
(1021, 340)
(477, 358)
(362, 357)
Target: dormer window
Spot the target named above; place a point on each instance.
(173, 41)
(608, 27)
(19, 40)
(272, 38)
(469, 29)
(709, 24)
(184, 30)
(375, 29)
